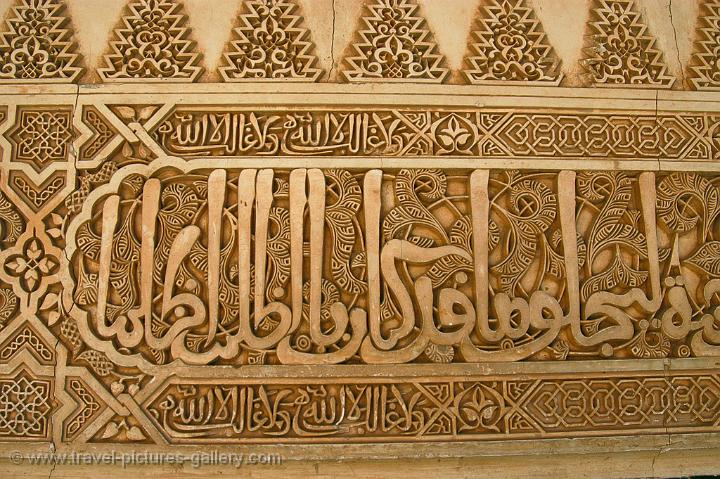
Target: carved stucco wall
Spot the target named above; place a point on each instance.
(347, 230)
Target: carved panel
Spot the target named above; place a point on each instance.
(270, 44)
(27, 339)
(38, 44)
(197, 133)
(510, 45)
(172, 262)
(151, 44)
(36, 196)
(101, 133)
(394, 44)
(90, 406)
(42, 137)
(439, 410)
(704, 67)
(25, 407)
(348, 235)
(620, 49)
(160, 266)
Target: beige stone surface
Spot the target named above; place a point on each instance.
(333, 24)
(384, 238)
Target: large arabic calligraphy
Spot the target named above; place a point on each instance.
(309, 266)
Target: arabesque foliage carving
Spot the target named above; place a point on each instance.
(394, 44)
(270, 43)
(509, 44)
(621, 50)
(152, 42)
(38, 43)
(160, 266)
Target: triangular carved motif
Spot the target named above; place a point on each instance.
(621, 51)
(509, 44)
(395, 45)
(705, 62)
(270, 43)
(152, 44)
(38, 44)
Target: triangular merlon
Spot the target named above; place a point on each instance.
(705, 61)
(509, 44)
(270, 43)
(620, 50)
(38, 44)
(395, 44)
(151, 44)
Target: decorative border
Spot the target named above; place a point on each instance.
(474, 408)
(694, 379)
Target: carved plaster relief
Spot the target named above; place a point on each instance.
(270, 44)
(705, 68)
(151, 43)
(38, 44)
(382, 247)
(621, 49)
(394, 43)
(161, 266)
(511, 46)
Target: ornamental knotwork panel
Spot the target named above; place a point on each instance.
(178, 261)
(25, 407)
(101, 133)
(42, 136)
(27, 339)
(90, 405)
(33, 195)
